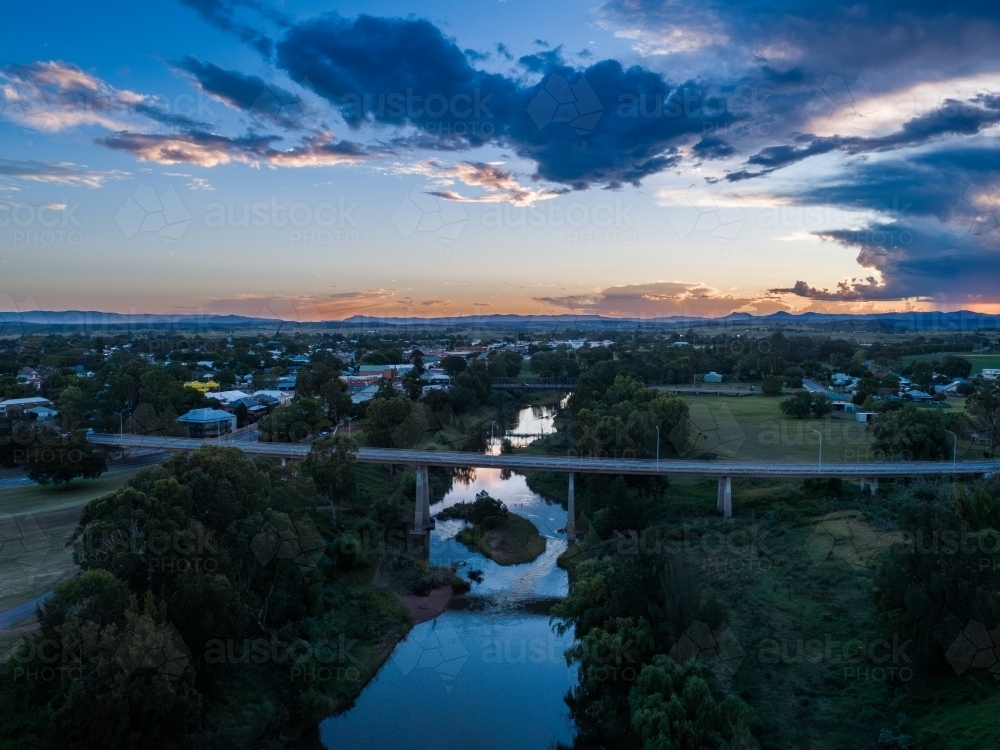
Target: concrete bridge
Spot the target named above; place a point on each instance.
(868, 473)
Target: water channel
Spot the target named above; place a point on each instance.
(488, 673)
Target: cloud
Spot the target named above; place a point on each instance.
(309, 307)
(223, 14)
(211, 150)
(954, 118)
(404, 73)
(501, 185)
(59, 173)
(897, 41)
(54, 96)
(657, 299)
(268, 102)
(235, 89)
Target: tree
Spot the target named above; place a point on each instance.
(982, 410)
(331, 465)
(911, 433)
(798, 406)
(673, 707)
(383, 417)
(771, 386)
(65, 460)
(453, 364)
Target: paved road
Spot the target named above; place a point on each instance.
(813, 387)
(131, 463)
(14, 615)
(580, 464)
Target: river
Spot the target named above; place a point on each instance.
(488, 673)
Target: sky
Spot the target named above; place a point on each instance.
(316, 160)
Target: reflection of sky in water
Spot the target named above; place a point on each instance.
(467, 680)
(505, 584)
(534, 420)
(475, 680)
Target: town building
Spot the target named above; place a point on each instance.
(14, 406)
(208, 423)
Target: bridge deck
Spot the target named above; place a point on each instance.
(576, 464)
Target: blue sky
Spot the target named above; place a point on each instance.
(315, 160)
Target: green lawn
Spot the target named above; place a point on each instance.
(748, 429)
(36, 498)
(35, 523)
(979, 361)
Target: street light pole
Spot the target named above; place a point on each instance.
(657, 446)
(349, 425)
(820, 464)
(954, 449)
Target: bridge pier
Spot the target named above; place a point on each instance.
(724, 503)
(871, 483)
(571, 511)
(422, 522)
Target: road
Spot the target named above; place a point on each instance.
(131, 463)
(813, 387)
(578, 464)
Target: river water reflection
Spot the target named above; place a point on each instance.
(491, 675)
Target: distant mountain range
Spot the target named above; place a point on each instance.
(93, 320)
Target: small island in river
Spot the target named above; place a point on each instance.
(504, 537)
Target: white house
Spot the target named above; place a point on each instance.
(991, 373)
(225, 397)
(712, 377)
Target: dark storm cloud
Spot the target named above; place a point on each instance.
(953, 118)
(885, 38)
(928, 223)
(266, 101)
(600, 125)
(223, 14)
(922, 260)
(235, 89)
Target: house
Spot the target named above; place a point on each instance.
(389, 372)
(865, 416)
(920, 396)
(951, 388)
(990, 373)
(366, 394)
(42, 413)
(203, 387)
(438, 380)
(226, 397)
(680, 344)
(280, 397)
(846, 407)
(286, 384)
(30, 376)
(14, 406)
(208, 423)
(712, 377)
(254, 409)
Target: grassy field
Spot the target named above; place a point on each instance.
(979, 361)
(751, 429)
(35, 523)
